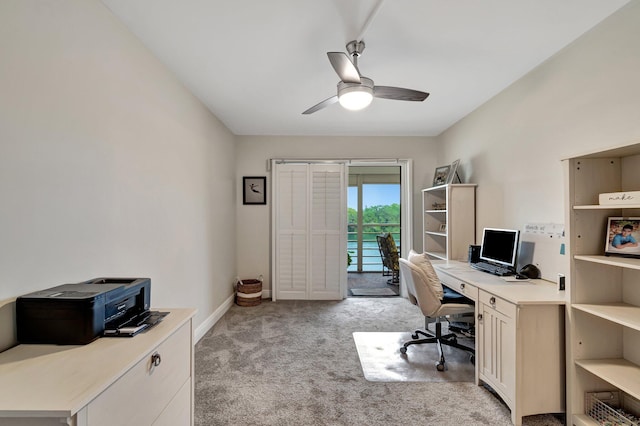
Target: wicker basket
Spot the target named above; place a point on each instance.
(612, 408)
(249, 292)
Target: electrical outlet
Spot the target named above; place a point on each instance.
(561, 284)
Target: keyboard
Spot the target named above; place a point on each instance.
(493, 269)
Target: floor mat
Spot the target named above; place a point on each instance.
(382, 361)
(373, 292)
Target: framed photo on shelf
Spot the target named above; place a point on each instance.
(254, 190)
(453, 177)
(441, 175)
(622, 237)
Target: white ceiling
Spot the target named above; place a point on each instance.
(258, 64)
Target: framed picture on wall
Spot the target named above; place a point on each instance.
(622, 237)
(441, 175)
(254, 190)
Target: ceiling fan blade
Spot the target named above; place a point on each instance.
(399, 94)
(344, 67)
(332, 100)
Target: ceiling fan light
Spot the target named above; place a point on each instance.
(356, 98)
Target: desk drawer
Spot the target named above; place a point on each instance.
(505, 308)
(142, 393)
(460, 286)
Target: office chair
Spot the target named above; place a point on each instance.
(389, 254)
(424, 289)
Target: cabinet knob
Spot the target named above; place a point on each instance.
(492, 300)
(155, 359)
(479, 317)
(461, 286)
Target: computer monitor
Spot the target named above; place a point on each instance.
(500, 246)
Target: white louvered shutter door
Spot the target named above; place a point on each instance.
(310, 230)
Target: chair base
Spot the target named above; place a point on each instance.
(439, 339)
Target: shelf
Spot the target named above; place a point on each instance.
(607, 207)
(437, 255)
(620, 313)
(622, 262)
(438, 234)
(445, 208)
(619, 372)
(583, 420)
(436, 188)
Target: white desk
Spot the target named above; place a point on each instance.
(519, 337)
(111, 381)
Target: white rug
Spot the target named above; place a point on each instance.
(382, 361)
(373, 292)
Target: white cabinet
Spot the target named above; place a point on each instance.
(519, 338)
(519, 354)
(449, 220)
(143, 380)
(497, 345)
(604, 316)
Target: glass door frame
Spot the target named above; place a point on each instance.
(406, 198)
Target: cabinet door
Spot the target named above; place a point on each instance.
(496, 350)
(139, 396)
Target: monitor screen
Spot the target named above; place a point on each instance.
(500, 246)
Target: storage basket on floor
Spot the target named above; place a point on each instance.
(249, 292)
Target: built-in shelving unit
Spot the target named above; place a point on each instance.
(448, 220)
(603, 327)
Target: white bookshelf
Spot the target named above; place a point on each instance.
(603, 319)
(448, 220)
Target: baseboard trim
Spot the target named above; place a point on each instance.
(207, 324)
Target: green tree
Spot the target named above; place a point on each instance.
(376, 214)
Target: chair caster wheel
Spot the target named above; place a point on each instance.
(440, 367)
(403, 350)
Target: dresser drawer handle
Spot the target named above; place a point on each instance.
(461, 286)
(492, 301)
(155, 359)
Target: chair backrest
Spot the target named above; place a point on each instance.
(388, 250)
(421, 291)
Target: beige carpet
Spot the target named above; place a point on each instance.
(382, 361)
(295, 363)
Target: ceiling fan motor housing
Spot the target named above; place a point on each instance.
(355, 48)
(355, 96)
(365, 85)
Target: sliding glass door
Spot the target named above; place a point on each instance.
(374, 200)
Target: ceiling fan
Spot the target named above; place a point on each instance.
(356, 92)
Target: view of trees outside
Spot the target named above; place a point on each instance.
(380, 214)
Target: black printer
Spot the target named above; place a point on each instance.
(73, 314)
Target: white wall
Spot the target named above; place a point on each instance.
(253, 152)
(108, 165)
(585, 98)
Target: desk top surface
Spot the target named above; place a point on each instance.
(521, 292)
(57, 380)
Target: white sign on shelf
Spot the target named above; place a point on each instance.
(629, 197)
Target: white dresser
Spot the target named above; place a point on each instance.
(143, 380)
